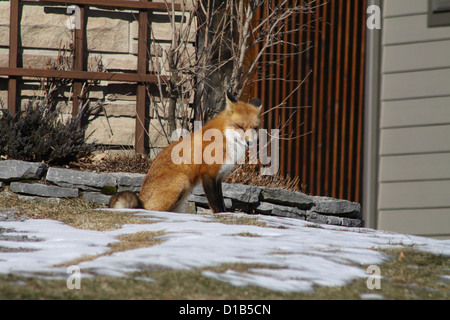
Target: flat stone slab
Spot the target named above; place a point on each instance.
(240, 192)
(80, 179)
(330, 206)
(333, 220)
(280, 210)
(43, 190)
(96, 197)
(199, 200)
(287, 197)
(129, 181)
(13, 170)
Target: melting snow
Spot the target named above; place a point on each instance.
(292, 255)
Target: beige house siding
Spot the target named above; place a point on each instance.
(414, 136)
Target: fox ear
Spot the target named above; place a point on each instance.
(257, 103)
(231, 97)
(231, 100)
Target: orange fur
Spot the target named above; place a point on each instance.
(167, 184)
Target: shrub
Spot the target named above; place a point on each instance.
(37, 133)
(250, 174)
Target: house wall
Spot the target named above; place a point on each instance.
(414, 152)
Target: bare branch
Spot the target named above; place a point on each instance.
(233, 40)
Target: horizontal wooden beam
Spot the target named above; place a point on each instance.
(157, 6)
(82, 75)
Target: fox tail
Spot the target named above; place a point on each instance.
(125, 200)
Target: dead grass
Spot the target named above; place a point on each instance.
(250, 174)
(240, 220)
(126, 242)
(409, 274)
(127, 162)
(416, 276)
(83, 215)
(247, 234)
(74, 212)
(133, 162)
(136, 240)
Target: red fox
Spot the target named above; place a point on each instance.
(169, 181)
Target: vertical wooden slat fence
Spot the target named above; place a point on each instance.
(327, 157)
(79, 74)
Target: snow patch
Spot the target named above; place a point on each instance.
(288, 255)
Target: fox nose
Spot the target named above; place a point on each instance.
(249, 141)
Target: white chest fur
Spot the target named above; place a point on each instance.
(235, 151)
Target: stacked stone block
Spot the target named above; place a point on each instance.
(36, 179)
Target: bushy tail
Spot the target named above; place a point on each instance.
(125, 200)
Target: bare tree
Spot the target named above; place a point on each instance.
(231, 38)
(247, 30)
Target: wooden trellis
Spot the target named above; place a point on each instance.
(80, 74)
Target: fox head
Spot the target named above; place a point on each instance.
(243, 118)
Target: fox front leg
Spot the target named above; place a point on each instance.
(213, 192)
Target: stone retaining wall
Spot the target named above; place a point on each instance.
(36, 179)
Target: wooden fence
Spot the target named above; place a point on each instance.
(328, 156)
(141, 77)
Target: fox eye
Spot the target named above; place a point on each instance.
(239, 127)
